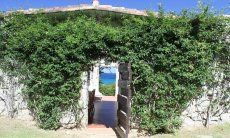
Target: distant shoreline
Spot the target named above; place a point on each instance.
(108, 78)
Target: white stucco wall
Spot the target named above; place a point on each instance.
(94, 79)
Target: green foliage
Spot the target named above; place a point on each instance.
(51, 58)
(176, 55)
(170, 55)
(107, 89)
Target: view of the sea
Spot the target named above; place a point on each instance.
(108, 78)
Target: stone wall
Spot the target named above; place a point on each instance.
(213, 107)
(197, 113)
(13, 103)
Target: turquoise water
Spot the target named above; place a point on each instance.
(108, 78)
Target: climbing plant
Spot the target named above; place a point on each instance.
(218, 89)
(176, 56)
(171, 57)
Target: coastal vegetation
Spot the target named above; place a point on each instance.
(107, 89)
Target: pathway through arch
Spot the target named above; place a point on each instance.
(105, 115)
(105, 118)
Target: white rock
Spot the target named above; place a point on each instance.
(225, 117)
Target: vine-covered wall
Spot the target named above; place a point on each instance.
(172, 58)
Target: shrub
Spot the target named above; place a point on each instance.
(107, 89)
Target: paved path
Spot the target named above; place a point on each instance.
(106, 112)
(105, 118)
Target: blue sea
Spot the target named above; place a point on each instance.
(108, 78)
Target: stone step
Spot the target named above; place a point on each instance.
(101, 132)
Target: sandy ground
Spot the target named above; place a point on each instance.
(13, 128)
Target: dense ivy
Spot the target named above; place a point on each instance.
(175, 59)
(170, 55)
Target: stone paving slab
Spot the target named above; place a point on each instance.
(105, 112)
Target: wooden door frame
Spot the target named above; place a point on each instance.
(124, 99)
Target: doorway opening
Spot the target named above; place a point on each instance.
(104, 83)
(112, 111)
